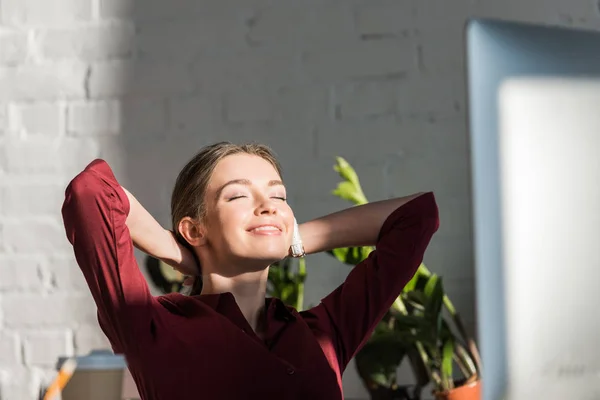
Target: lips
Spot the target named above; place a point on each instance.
(265, 228)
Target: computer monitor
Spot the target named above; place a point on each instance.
(498, 51)
(549, 153)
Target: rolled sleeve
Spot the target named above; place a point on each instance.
(358, 305)
(94, 214)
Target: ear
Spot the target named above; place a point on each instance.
(192, 231)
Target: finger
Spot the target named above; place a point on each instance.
(188, 281)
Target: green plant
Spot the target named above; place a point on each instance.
(163, 276)
(286, 281)
(418, 326)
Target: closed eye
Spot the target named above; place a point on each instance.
(236, 197)
(280, 198)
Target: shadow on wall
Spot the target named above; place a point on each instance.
(198, 76)
(202, 72)
(305, 78)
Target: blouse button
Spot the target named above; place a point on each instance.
(290, 371)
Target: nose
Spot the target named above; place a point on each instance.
(266, 207)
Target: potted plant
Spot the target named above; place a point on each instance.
(422, 326)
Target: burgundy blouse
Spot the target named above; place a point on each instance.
(202, 347)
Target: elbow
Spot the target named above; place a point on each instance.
(81, 188)
(81, 196)
(430, 214)
(86, 185)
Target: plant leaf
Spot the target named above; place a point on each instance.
(170, 274)
(447, 355)
(351, 255)
(380, 357)
(347, 191)
(419, 276)
(350, 188)
(434, 291)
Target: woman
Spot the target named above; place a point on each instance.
(230, 342)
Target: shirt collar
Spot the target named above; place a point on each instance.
(223, 303)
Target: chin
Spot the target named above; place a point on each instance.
(266, 251)
(266, 258)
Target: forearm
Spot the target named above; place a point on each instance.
(148, 235)
(355, 226)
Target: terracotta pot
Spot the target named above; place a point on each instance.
(468, 391)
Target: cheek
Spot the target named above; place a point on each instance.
(288, 216)
(233, 217)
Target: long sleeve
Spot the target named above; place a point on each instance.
(350, 313)
(94, 214)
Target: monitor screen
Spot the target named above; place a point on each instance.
(497, 51)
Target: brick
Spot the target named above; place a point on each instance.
(10, 353)
(13, 47)
(106, 41)
(190, 114)
(456, 213)
(43, 348)
(304, 104)
(42, 82)
(366, 59)
(378, 136)
(38, 311)
(267, 67)
(3, 119)
(442, 46)
(37, 118)
(65, 274)
(90, 337)
(94, 118)
(431, 98)
(118, 9)
(366, 99)
(387, 18)
(318, 189)
(17, 382)
(35, 237)
(158, 10)
(20, 273)
(293, 143)
(143, 117)
(434, 160)
(297, 26)
(125, 78)
(187, 39)
(2, 249)
(27, 199)
(44, 13)
(249, 106)
(65, 157)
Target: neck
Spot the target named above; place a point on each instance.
(249, 290)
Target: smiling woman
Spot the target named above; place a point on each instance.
(231, 221)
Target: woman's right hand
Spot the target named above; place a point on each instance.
(150, 237)
(182, 259)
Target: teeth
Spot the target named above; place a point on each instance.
(265, 228)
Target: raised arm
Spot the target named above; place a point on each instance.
(95, 211)
(401, 230)
(356, 226)
(150, 237)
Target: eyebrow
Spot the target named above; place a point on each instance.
(244, 182)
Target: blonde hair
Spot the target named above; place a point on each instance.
(188, 197)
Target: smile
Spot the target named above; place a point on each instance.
(266, 230)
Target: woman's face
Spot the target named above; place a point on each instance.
(248, 219)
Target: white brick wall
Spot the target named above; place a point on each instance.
(144, 84)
